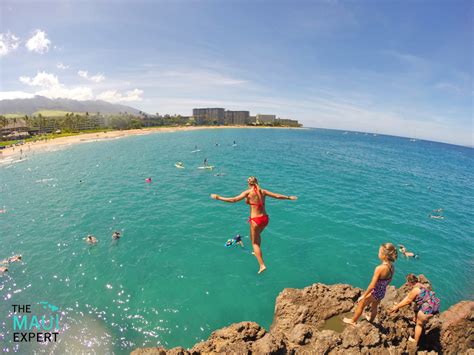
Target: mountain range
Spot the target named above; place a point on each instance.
(39, 103)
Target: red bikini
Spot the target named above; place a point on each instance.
(261, 221)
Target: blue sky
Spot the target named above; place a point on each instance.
(397, 67)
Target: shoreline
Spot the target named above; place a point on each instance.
(9, 155)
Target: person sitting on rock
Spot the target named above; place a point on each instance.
(427, 304)
(383, 275)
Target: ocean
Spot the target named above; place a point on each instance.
(170, 280)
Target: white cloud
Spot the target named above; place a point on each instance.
(10, 95)
(38, 43)
(115, 96)
(42, 79)
(49, 86)
(8, 43)
(74, 93)
(62, 66)
(95, 78)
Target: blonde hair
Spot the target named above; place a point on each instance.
(252, 180)
(389, 252)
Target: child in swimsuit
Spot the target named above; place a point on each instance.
(427, 304)
(375, 293)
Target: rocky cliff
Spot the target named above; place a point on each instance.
(309, 321)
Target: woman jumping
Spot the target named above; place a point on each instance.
(255, 197)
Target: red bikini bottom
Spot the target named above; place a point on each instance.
(261, 221)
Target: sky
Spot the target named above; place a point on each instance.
(403, 68)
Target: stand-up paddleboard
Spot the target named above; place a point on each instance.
(234, 145)
(195, 151)
(179, 166)
(210, 167)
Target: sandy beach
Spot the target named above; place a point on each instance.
(14, 154)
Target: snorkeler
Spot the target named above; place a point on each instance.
(258, 220)
(116, 235)
(90, 239)
(235, 240)
(405, 252)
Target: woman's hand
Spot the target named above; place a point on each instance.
(393, 309)
(293, 198)
(214, 196)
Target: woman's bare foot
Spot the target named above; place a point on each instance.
(262, 269)
(348, 321)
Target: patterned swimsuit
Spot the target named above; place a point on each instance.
(427, 302)
(381, 287)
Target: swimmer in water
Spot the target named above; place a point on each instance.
(3, 269)
(236, 240)
(439, 210)
(405, 252)
(148, 180)
(116, 235)
(11, 259)
(90, 239)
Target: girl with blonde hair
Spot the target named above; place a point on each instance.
(383, 275)
(255, 197)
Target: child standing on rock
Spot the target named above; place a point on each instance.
(383, 275)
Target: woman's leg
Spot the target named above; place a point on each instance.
(373, 310)
(420, 324)
(360, 308)
(256, 240)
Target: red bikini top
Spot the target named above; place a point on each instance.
(260, 203)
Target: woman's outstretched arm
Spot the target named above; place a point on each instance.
(231, 199)
(278, 196)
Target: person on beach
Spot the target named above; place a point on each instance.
(375, 293)
(426, 305)
(405, 252)
(255, 197)
(90, 239)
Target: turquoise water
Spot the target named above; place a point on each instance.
(170, 280)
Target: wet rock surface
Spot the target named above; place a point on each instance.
(300, 315)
